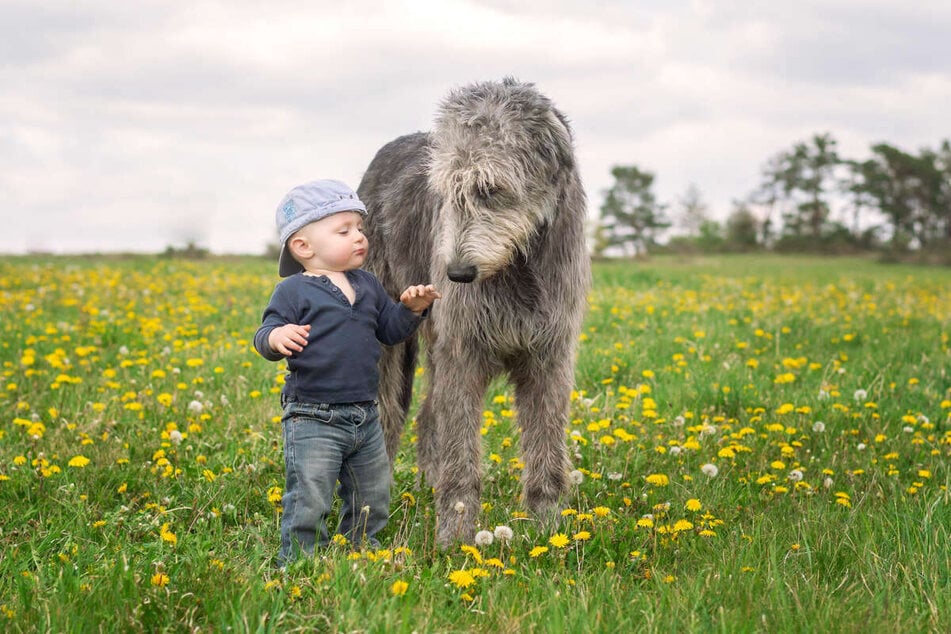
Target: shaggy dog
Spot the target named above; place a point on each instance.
(489, 207)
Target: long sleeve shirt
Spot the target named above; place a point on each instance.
(339, 362)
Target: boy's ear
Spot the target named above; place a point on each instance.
(298, 246)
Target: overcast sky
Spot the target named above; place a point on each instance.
(132, 125)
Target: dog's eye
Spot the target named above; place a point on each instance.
(485, 193)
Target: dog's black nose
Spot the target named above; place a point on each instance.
(461, 273)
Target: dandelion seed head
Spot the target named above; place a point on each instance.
(675, 450)
(818, 427)
(503, 533)
(827, 483)
(860, 395)
(175, 437)
(575, 477)
(795, 475)
(484, 538)
(710, 470)
(195, 407)
(860, 446)
(459, 507)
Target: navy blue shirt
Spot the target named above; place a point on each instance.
(339, 362)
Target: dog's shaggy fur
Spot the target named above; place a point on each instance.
(489, 207)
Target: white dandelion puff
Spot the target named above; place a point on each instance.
(860, 395)
(575, 477)
(483, 538)
(818, 427)
(710, 470)
(503, 533)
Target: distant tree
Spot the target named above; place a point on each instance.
(742, 228)
(631, 217)
(803, 178)
(913, 192)
(692, 212)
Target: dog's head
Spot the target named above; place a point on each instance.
(500, 156)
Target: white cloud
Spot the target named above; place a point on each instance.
(137, 125)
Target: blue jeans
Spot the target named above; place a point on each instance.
(324, 444)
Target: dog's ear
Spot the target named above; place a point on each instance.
(560, 140)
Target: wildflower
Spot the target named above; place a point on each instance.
(795, 475)
(167, 535)
(472, 551)
(693, 504)
(860, 395)
(460, 507)
(461, 578)
(483, 538)
(601, 511)
(399, 588)
(78, 461)
(195, 407)
(503, 533)
(175, 437)
(710, 470)
(538, 550)
(160, 579)
(818, 427)
(575, 477)
(581, 536)
(658, 479)
(560, 540)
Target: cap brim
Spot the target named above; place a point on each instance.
(286, 264)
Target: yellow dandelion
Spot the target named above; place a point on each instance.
(693, 504)
(581, 536)
(399, 588)
(658, 479)
(78, 462)
(160, 579)
(537, 551)
(167, 535)
(559, 540)
(461, 578)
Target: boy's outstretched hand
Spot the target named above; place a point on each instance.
(419, 298)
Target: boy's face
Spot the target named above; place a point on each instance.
(334, 243)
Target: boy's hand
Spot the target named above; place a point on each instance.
(419, 298)
(289, 338)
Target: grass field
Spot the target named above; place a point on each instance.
(761, 445)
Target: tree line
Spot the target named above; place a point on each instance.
(809, 199)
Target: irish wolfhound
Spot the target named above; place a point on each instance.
(489, 207)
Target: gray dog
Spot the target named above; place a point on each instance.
(489, 207)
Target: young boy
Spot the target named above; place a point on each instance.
(328, 319)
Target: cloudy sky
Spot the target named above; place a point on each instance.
(135, 125)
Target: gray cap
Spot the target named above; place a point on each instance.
(308, 203)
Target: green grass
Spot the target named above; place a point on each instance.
(141, 467)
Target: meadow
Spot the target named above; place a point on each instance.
(760, 444)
